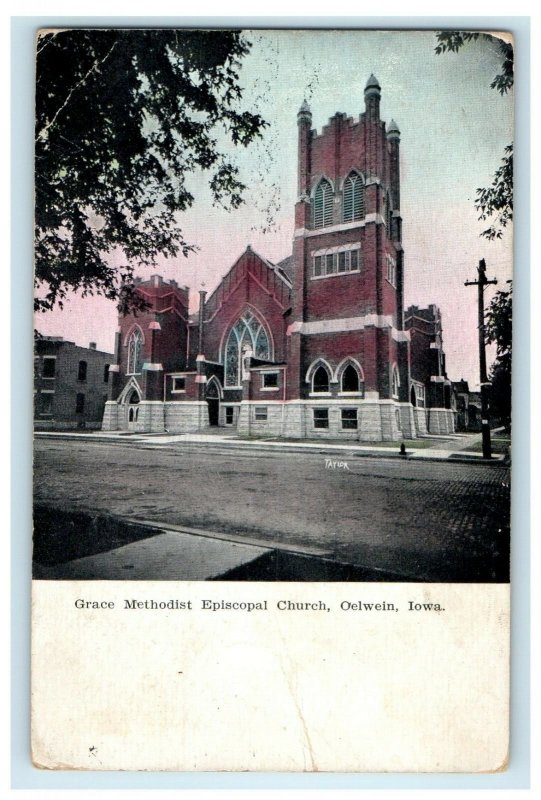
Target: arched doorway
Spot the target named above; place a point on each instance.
(212, 396)
(132, 410)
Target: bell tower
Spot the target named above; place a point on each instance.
(347, 311)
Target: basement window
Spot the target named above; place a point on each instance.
(321, 417)
(349, 419)
(260, 413)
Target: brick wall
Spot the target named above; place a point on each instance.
(55, 400)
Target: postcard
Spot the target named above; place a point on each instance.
(272, 411)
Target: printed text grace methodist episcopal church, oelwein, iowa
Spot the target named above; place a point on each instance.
(314, 346)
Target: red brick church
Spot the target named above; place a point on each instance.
(314, 346)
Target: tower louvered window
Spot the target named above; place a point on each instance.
(353, 198)
(323, 202)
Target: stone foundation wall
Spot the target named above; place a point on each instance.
(420, 415)
(111, 420)
(441, 421)
(53, 425)
(186, 417)
(376, 420)
(407, 421)
(248, 425)
(150, 417)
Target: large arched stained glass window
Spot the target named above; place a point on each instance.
(353, 207)
(248, 331)
(323, 202)
(135, 352)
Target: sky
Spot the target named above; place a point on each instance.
(454, 128)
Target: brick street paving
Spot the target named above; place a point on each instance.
(420, 520)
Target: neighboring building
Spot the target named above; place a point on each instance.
(431, 391)
(468, 407)
(314, 346)
(462, 393)
(70, 384)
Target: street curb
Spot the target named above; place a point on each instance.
(240, 446)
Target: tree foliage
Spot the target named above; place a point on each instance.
(495, 201)
(123, 117)
(453, 41)
(498, 328)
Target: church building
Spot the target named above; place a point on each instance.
(312, 347)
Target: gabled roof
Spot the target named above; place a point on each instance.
(286, 267)
(277, 282)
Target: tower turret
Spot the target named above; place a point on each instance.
(393, 137)
(372, 97)
(304, 121)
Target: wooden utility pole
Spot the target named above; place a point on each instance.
(481, 282)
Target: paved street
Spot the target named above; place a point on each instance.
(419, 520)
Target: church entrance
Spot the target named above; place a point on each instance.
(132, 411)
(212, 396)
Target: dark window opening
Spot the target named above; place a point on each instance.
(49, 367)
(270, 380)
(80, 403)
(46, 404)
(349, 419)
(321, 417)
(229, 415)
(321, 380)
(106, 373)
(81, 375)
(179, 384)
(350, 379)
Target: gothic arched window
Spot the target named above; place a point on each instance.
(135, 352)
(248, 331)
(320, 381)
(350, 379)
(323, 202)
(353, 207)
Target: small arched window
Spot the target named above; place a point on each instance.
(323, 202)
(353, 207)
(350, 379)
(135, 352)
(395, 383)
(320, 380)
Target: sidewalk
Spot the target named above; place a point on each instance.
(452, 447)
